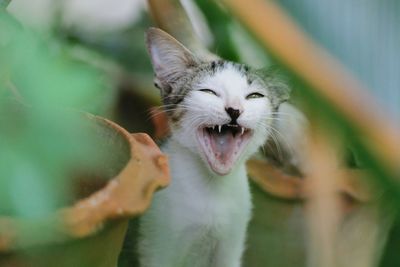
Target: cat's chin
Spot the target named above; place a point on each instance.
(222, 145)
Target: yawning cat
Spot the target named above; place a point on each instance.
(219, 113)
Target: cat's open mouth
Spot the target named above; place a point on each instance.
(222, 145)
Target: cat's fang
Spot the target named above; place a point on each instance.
(219, 128)
(242, 130)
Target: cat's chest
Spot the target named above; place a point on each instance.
(193, 197)
(200, 203)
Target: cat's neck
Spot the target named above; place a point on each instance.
(187, 165)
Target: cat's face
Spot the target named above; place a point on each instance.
(220, 110)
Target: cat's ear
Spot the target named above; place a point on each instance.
(170, 59)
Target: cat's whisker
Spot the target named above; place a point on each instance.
(271, 130)
(292, 150)
(172, 104)
(263, 149)
(277, 145)
(157, 113)
(159, 109)
(269, 117)
(174, 95)
(195, 123)
(268, 144)
(281, 113)
(277, 119)
(168, 106)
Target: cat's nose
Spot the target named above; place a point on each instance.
(233, 113)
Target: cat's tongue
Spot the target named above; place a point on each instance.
(223, 146)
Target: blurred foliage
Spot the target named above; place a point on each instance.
(231, 40)
(126, 46)
(42, 135)
(220, 22)
(364, 35)
(4, 3)
(357, 40)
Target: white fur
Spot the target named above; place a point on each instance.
(232, 88)
(201, 218)
(198, 220)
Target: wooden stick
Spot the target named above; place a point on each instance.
(323, 208)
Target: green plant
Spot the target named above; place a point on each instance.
(42, 134)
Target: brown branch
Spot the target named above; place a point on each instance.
(275, 181)
(351, 183)
(323, 208)
(126, 195)
(171, 17)
(277, 32)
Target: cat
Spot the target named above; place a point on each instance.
(219, 113)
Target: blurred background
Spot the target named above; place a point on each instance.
(90, 56)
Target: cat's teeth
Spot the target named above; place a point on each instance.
(242, 130)
(219, 128)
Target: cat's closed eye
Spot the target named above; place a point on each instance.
(208, 91)
(254, 95)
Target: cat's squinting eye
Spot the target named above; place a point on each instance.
(208, 91)
(254, 95)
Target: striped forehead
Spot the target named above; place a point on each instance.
(227, 80)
